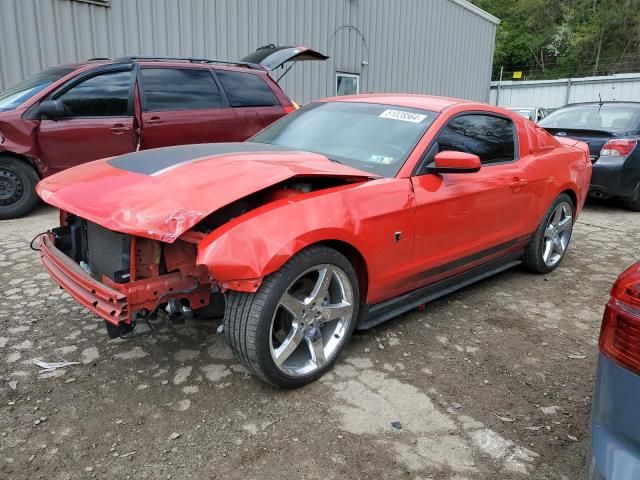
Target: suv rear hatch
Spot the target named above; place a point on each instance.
(271, 57)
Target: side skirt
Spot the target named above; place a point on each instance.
(383, 311)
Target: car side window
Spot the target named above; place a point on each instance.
(179, 89)
(105, 95)
(246, 89)
(489, 137)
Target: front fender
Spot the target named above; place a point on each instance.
(375, 218)
(241, 253)
(18, 138)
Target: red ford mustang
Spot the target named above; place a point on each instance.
(343, 214)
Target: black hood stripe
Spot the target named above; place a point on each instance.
(150, 162)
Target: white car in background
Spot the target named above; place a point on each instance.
(534, 114)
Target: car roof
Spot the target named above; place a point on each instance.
(604, 102)
(424, 102)
(78, 65)
(177, 62)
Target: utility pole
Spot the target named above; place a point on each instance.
(499, 86)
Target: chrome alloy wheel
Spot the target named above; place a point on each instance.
(311, 320)
(557, 234)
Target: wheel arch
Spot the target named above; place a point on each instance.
(572, 194)
(241, 261)
(356, 259)
(23, 158)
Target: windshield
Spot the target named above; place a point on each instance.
(622, 117)
(18, 94)
(371, 137)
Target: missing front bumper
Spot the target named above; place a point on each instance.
(115, 302)
(102, 300)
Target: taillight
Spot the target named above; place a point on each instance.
(291, 108)
(620, 333)
(620, 147)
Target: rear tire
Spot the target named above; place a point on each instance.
(17, 188)
(286, 349)
(550, 241)
(632, 204)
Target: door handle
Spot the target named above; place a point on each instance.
(517, 184)
(119, 129)
(154, 121)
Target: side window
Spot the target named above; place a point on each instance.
(179, 89)
(490, 138)
(246, 89)
(105, 95)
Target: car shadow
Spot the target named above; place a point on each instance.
(604, 205)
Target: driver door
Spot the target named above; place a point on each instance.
(466, 219)
(99, 124)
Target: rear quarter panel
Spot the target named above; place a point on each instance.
(563, 162)
(551, 165)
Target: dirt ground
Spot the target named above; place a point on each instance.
(492, 382)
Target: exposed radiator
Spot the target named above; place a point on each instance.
(108, 253)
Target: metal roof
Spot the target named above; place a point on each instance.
(477, 10)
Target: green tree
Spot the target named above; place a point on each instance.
(556, 38)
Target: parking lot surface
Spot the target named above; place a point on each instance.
(492, 382)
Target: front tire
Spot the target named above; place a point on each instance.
(292, 330)
(17, 188)
(550, 241)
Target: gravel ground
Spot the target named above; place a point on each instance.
(492, 382)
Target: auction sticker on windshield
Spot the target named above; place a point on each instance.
(403, 116)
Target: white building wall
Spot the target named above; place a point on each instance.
(442, 47)
(556, 93)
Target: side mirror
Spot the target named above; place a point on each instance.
(53, 110)
(450, 161)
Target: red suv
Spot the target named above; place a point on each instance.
(76, 113)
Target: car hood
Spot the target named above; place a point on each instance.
(162, 193)
(7, 114)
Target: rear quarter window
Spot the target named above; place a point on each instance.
(246, 89)
(539, 139)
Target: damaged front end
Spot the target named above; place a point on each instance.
(135, 248)
(121, 277)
